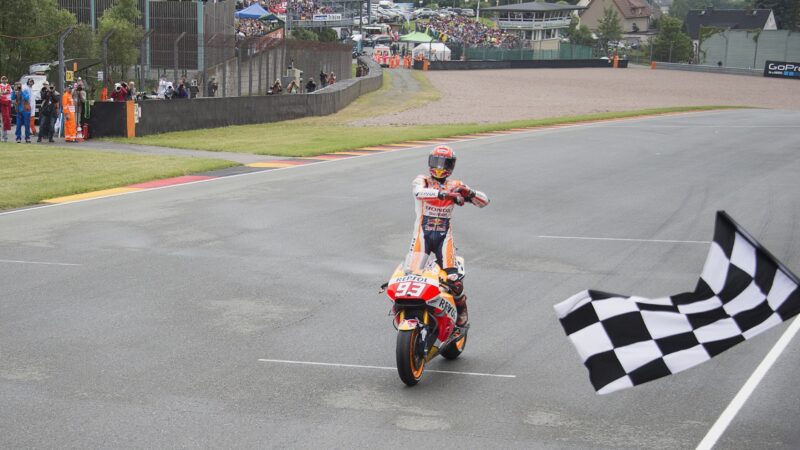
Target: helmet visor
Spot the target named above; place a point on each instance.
(440, 162)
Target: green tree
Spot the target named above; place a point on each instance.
(608, 29)
(328, 35)
(126, 10)
(787, 12)
(671, 44)
(304, 34)
(123, 46)
(579, 34)
(30, 30)
(80, 42)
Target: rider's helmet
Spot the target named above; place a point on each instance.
(441, 162)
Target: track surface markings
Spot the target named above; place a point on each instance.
(14, 261)
(358, 366)
(750, 385)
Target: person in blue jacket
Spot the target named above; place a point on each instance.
(20, 100)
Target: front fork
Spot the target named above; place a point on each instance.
(427, 336)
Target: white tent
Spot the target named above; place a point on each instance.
(434, 51)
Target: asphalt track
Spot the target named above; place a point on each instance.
(155, 319)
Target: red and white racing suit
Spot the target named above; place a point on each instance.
(432, 230)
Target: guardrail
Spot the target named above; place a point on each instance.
(710, 69)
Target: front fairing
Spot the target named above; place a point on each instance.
(417, 278)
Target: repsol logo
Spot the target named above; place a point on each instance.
(784, 67)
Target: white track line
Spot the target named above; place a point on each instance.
(669, 241)
(736, 404)
(357, 366)
(12, 261)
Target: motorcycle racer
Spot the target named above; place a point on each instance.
(436, 198)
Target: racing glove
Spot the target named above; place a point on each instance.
(451, 195)
(466, 192)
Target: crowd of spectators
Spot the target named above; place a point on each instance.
(250, 27)
(299, 9)
(305, 9)
(45, 106)
(470, 32)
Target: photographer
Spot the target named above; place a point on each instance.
(182, 92)
(80, 101)
(212, 87)
(20, 99)
(119, 94)
(48, 113)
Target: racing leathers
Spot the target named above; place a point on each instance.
(435, 200)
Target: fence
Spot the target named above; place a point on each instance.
(166, 20)
(520, 64)
(709, 69)
(565, 51)
(749, 49)
(260, 61)
(113, 119)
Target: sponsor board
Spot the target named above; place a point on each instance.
(326, 17)
(782, 69)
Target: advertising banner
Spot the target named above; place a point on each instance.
(782, 69)
(327, 17)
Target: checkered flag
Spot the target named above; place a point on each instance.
(625, 341)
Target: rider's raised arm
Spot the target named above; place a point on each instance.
(421, 190)
(473, 196)
(479, 199)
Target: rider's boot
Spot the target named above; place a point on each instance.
(457, 289)
(461, 308)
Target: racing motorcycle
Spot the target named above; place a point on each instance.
(424, 314)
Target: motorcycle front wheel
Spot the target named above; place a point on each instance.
(410, 359)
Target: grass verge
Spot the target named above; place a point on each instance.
(32, 173)
(315, 136)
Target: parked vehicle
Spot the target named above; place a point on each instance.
(467, 12)
(382, 39)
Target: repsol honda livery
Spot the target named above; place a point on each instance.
(424, 315)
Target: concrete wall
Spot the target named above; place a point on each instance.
(160, 116)
(709, 69)
(519, 64)
(749, 49)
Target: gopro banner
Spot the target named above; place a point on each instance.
(782, 69)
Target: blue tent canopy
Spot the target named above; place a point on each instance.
(254, 11)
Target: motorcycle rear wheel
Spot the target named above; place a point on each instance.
(455, 349)
(410, 359)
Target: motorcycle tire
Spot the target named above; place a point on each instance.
(410, 362)
(455, 349)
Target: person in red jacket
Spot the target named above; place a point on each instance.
(436, 198)
(120, 93)
(5, 106)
